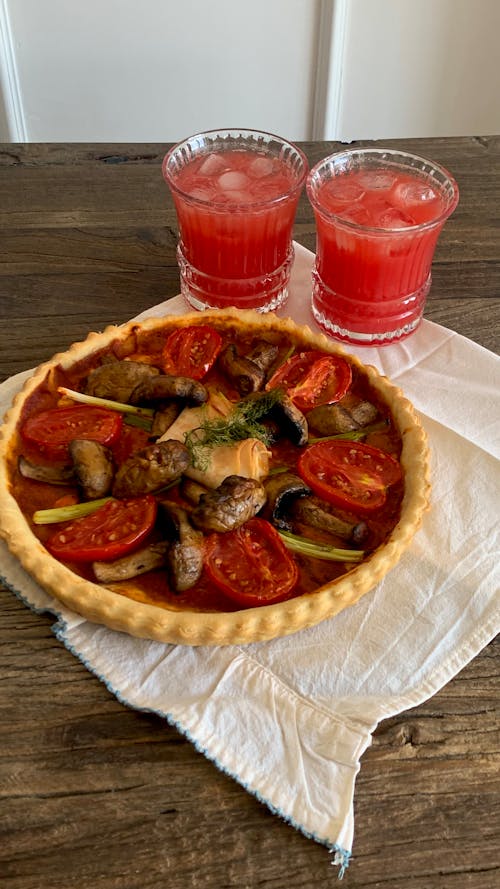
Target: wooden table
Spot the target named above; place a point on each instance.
(96, 796)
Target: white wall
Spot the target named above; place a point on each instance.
(415, 68)
(158, 70)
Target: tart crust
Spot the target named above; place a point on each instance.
(105, 606)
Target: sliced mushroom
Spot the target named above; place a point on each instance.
(118, 379)
(230, 505)
(185, 552)
(164, 387)
(364, 413)
(263, 355)
(93, 465)
(140, 562)
(163, 418)
(311, 513)
(282, 491)
(244, 373)
(291, 422)
(52, 475)
(192, 491)
(288, 420)
(151, 468)
(348, 415)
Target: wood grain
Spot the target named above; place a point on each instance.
(97, 796)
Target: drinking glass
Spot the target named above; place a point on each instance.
(235, 193)
(378, 216)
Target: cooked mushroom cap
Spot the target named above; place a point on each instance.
(263, 355)
(291, 422)
(118, 379)
(247, 372)
(246, 375)
(94, 467)
(151, 468)
(185, 563)
(185, 551)
(345, 416)
(311, 512)
(282, 490)
(230, 505)
(164, 387)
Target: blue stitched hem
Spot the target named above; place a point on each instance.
(341, 856)
(25, 601)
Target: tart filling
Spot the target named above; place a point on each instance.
(229, 477)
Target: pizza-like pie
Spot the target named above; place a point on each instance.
(214, 478)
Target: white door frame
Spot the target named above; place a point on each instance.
(333, 23)
(10, 92)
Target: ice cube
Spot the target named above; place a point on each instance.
(232, 196)
(415, 193)
(343, 191)
(212, 165)
(200, 194)
(233, 180)
(260, 167)
(375, 179)
(357, 213)
(392, 217)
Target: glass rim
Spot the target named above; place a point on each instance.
(385, 154)
(235, 133)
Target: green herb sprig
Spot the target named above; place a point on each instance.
(242, 423)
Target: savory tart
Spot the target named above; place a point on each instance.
(210, 479)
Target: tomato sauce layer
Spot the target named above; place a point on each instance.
(154, 587)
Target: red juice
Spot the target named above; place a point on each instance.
(377, 228)
(236, 208)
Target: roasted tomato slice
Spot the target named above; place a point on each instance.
(313, 378)
(52, 430)
(132, 439)
(349, 474)
(251, 565)
(191, 351)
(113, 530)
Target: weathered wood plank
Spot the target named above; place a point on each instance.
(80, 773)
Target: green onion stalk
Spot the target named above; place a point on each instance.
(68, 513)
(305, 547)
(136, 416)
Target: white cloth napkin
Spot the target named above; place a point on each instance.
(289, 719)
